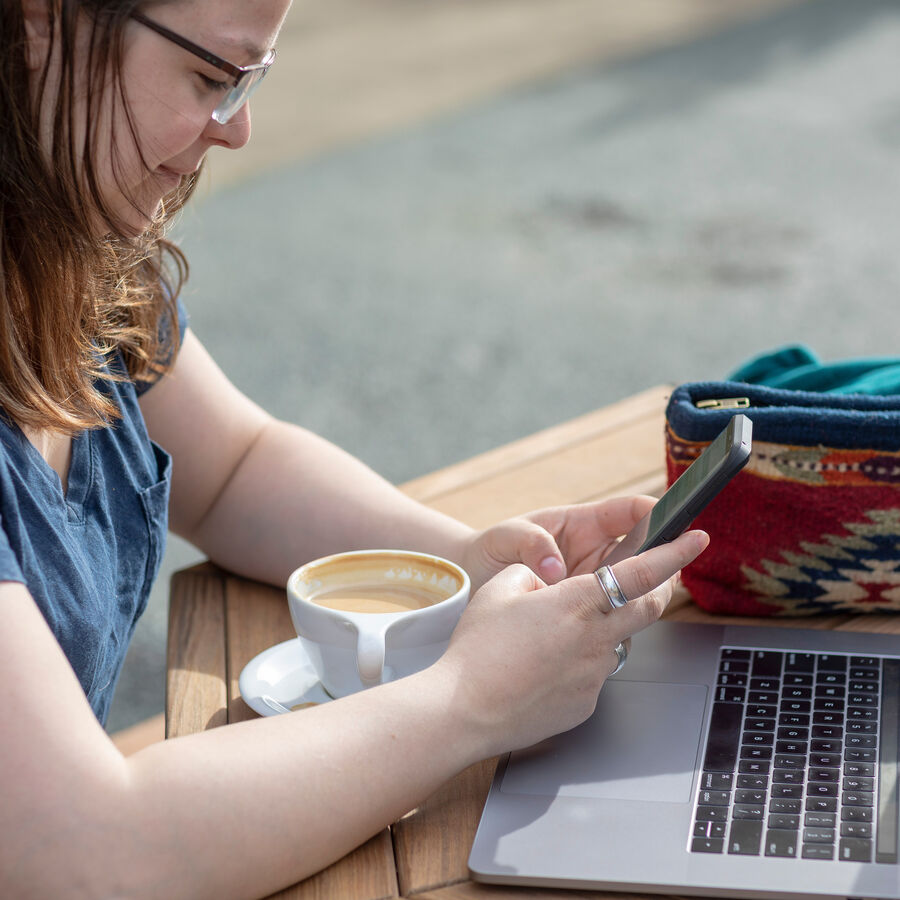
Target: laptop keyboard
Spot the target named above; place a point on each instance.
(793, 755)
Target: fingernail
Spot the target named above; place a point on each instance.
(551, 568)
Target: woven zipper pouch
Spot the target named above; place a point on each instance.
(812, 523)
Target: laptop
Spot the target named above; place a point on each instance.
(724, 761)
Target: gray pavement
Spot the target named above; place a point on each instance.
(431, 294)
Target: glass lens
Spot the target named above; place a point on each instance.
(239, 94)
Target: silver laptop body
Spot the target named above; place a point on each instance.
(635, 799)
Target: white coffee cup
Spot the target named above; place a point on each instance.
(370, 616)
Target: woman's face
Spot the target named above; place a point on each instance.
(171, 95)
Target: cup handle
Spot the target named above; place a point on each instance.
(370, 657)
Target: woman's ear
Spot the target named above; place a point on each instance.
(37, 32)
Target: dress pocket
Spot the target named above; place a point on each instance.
(155, 503)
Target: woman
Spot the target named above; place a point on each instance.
(109, 108)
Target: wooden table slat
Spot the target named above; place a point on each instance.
(256, 617)
(432, 843)
(196, 694)
(368, 873)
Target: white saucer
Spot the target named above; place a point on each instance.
(282, 675)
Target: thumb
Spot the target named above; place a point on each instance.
(520, 540)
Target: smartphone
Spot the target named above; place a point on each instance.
(691, 493)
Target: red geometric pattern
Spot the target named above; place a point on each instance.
(799, 531)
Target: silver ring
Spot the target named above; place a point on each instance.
(611, 587)
(621, 655)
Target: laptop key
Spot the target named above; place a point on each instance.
(799, 662)
(858, 783)
(831, 663)
(782, 820)
(818, 835)
(860, 741)
(801, 719)
(856, 814)
(729, 694)
(787, 776)
(785, 805)
(724, 737)
(870, 662)
(858, 798)
(855, 849)
(787, 791)
(821, 804)
(866, 769)
(745, 837)
(827, 731)
(822, 774)
(856, 753)
(818, 851)
(748, 752)
(715, 798)
(712, 813)
(829, 760)
(820, 820)
(792, 748)
(856, 829)
(708, 845)
(746, 811)
(750, 797)
(821, 789)
(717, 781)
(858, 726)
(781, 843)
(759, 724)
(753, 782)
(767, 663)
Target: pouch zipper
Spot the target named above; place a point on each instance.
(724, 403)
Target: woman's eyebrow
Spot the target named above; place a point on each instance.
(251, 51)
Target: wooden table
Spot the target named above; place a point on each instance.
(218, 622)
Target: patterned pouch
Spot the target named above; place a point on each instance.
(812, 523)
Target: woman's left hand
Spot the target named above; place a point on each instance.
(554, 543)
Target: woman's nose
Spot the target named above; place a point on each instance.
(234, 133)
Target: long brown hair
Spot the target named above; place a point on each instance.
(69, 300)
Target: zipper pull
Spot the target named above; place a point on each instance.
(725, 403)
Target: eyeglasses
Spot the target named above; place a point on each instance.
(245, 78)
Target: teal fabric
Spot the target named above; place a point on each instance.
(797, 368)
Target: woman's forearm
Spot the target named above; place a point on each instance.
(295, 497)
(300, 790)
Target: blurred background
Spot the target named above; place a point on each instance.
(461, 221)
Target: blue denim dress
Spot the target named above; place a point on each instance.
(89, 556)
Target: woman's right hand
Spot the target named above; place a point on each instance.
(528, 660)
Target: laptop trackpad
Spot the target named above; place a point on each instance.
(640, 744)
